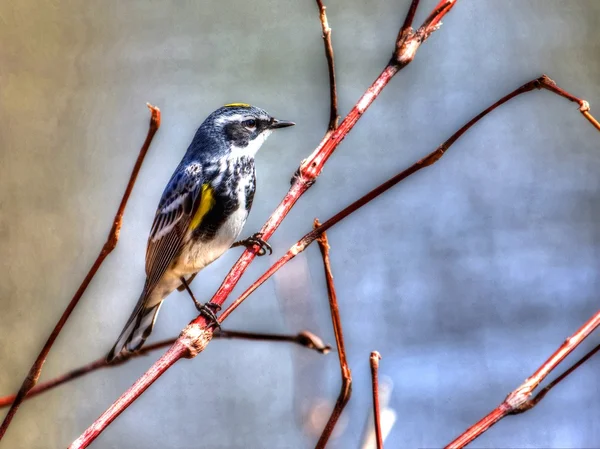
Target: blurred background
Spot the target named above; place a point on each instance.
(465, 277)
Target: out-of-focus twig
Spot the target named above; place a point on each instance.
(518, 400)
(346, 388)
(110, 244)
(374, 360)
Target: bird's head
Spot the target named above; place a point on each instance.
(241, 127)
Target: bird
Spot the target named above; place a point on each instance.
(201, 213)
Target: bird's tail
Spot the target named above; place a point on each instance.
(138, 327)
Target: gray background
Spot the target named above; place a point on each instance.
(465, 277)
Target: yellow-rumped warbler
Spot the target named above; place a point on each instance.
(201, 212)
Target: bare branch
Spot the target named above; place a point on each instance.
(333, 115)
(346, 388)
(374, 359)
(410, 16)
(584, 106)
(532, 402)
(428, 160)
(518, 400)
(409, 41)
(110, 244)
(305, 338)
(195, 336)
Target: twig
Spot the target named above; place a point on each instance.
(195, 336)
(375, 358)
(408, 40)
(110, 244)
(518, 400)
(428, 160)
(346, 388)
(333, 115)
(305, 338)
(532, 402)
(584, 106)
(410, 16)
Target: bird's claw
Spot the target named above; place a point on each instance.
(209, 310)
(255, 239)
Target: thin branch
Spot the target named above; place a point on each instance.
(333, 115)
(410, 16)
(409, 41)
(305, 338)
(434, 21)
(195, 336)
(375, 358)
(532, 402)
(428, 160)
(346, 388)
(518, 400)
(110, 244)
(584, 106)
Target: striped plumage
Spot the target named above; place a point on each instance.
(202, 210)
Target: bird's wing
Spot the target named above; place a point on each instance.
(186, 200)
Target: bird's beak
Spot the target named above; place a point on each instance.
(281, 123)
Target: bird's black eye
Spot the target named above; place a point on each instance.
(251, 124)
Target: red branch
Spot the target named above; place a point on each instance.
(410, 16)
(333, 109)
(374, 360)
(305, 338)
(532, 402)
(195, 336)
(110, 244)
(518, 400)
(539, 83)
(309, 170)
(346, 388)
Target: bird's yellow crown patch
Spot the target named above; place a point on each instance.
(237, 105)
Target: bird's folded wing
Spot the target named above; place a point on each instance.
(184, 203)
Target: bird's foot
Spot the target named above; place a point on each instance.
(255, 239)
(209, 310)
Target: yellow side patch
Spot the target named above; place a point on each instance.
(237, 105)
(207, 201)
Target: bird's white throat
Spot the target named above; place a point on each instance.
(253, 146)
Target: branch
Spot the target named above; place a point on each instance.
(195, 336)
(409, 41)
(410, 16)
(346, 388)
(538, 397)
(305, 338)
(110, 244)
(375, 358)
(584, 106)
(518, 400)
(428, 160)
(333, 115)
